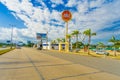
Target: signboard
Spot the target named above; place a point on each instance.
(40, 36)
(66, 15)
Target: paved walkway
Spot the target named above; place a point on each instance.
(30, 64)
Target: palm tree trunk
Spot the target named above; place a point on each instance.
(76, 41)
(115, 52)
(89, 40)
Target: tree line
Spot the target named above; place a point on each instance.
(87, 35)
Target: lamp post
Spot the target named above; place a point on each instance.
(11, 35)
(47, 44)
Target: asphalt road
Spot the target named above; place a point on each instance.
(32, 64)
(104, 64)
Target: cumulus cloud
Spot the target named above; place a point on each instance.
(57, 1)
(95, 14)
(5, 33)
(71, 3)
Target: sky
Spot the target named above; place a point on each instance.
(29, 17)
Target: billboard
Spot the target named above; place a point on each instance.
(40, 36)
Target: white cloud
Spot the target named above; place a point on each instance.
(42, 4)
(37, 19)
(53, 5)
(5, 33)
(57, 1)
(96, 3)
(71, 3)
(17, 34)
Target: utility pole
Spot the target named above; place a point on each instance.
(47, 40)
(11, 36)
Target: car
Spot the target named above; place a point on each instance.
(40, 47)
(102, 52)
(18, 47)
(4, 46)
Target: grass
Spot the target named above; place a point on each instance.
(117, 57)
(5, 51)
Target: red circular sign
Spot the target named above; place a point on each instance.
(66, 15)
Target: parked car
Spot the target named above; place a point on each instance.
(4, 46)
(18, 47)
(102, 52)
(40, 47)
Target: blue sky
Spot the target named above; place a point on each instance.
(7, 18)
(32, 16)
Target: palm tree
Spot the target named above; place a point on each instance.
(76, 33)
(58, 40)
(115, 44)
(53, 42)
(69, 37)
(89, 33)
(63, 40)
(100, 45)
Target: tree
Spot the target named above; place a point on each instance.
(69, 37)
(89, 33)
(100, 45)
(30, 43)
(58, 40)
(116, 43)
(76, 33)
(63, 40)
(53, 42)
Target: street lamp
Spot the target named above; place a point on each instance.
(11, 35)
(47, 44)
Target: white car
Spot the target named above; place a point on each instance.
(102, 52)
(18, 47)
(4, 46)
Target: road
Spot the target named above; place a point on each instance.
(32, 64)
(104, 64)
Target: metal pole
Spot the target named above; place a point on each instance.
(66, 40)
(11, 37)
(47, 40)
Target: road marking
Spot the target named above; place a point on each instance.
(78, 75)
(35, 67)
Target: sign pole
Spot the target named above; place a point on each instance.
(66, 16)
(66, 39)
(66, 32)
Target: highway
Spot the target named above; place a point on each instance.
(32, 64)
(104, 64)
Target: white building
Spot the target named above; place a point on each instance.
(46, 46)
(54, 46)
